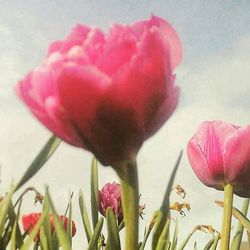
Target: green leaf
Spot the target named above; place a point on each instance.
(13, 237)
(163, 241)
(40, 160)
(43, 239)
(94, 192)
(164, 210)
(215, 243)
(16, 239)
(184, 243)
(85, 217)
(60, 231)
(236, 242)
(238, 215)
(113, 232)
(175, 237)
(146, 235)
(209, 244)
(4, 208)
(97, 232)
(69, 223)
(47, 223)
(27, 244)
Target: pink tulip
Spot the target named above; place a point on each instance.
(219, 153)
(107, 93)
(110, 196)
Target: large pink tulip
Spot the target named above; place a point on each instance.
(219, 153)
(107, 93)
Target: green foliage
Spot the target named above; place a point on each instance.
(54, 236)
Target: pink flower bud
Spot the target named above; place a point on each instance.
(107, 93)
(110, 196)
(219, 153)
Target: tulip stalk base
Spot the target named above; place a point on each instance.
(127, 171)
(227, 217)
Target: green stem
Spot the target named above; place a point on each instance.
(227, 217)
(127, 171)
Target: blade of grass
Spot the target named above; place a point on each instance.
(40, 160)
(4, 208)
(215, 243)
(47, 223)
(85, 217)
(94, 192)
(164, 210)
(97, 232)
(236, 242)
(184, 243)
(175, 237)
(163, 241)
(69, 222)
(43, 239)
(146, 235)
(14, 241)
(113, 232)
(60, 232)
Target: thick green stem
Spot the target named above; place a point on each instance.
(127, 171)
(227, 217)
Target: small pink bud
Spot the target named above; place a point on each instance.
(110, 196)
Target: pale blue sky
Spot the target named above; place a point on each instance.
(214, 81)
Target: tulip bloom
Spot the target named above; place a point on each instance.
(107, 93)
(110, 196)
(29, 221)
(219, 154)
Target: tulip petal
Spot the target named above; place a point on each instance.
(170, 36)
(199, 164)
(118, 50)
(145, 83)
(80, 90)
(237, 157)
(76, 37)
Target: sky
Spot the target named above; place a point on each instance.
(213, 77)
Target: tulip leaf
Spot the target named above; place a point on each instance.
(96, 234)
(4, 208)
(209, 243)
(238, 215)
(94, 192)
(236, 242)
(40, 160)
(60, 232)
(184, 243)
(215, 243)
(85, 217)
(113, 232)
(16, 239)
(47, 223)
(13, 237)
(175, 237)
(164, 210)
(146, 235)
(163, 240)
(43, 239)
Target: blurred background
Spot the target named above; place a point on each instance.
(214, 80)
